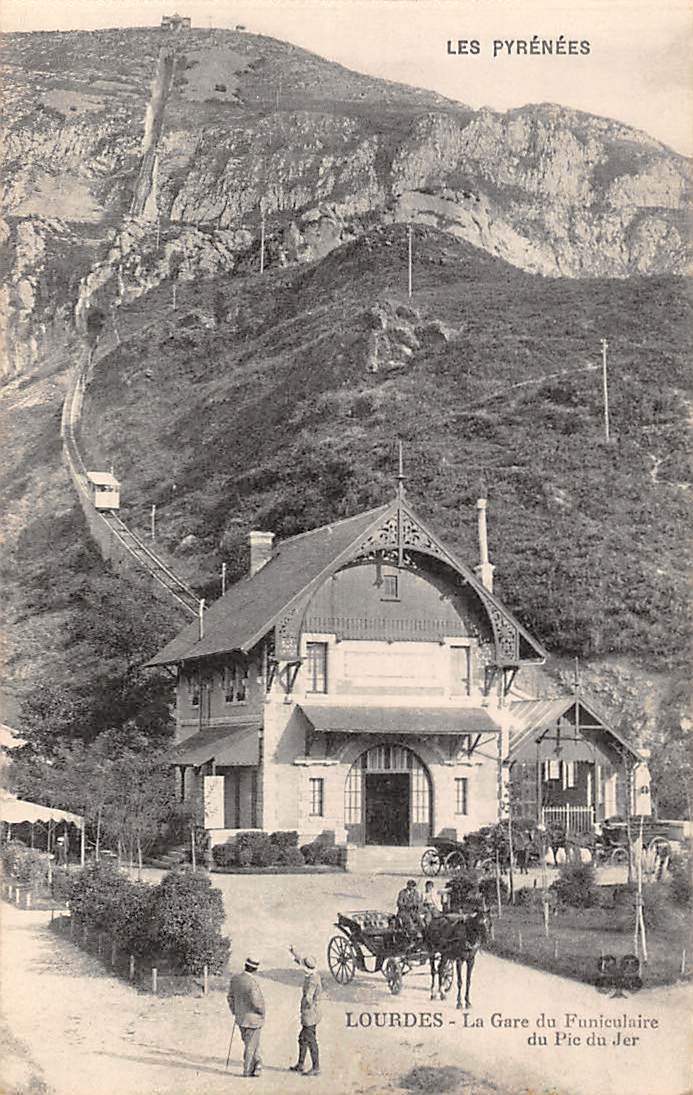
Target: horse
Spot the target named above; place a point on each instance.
(455, 937)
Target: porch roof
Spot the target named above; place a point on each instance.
(531, 719)
(237, 745)
(412, 721)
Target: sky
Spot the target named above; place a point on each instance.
(638, 71)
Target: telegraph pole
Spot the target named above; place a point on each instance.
(410, 256)
(605, 386)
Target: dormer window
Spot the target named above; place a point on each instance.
(236, 683)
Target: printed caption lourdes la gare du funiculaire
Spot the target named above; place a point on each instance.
(568, 1030)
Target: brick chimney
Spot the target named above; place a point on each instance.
(484, 569)
(260, 549)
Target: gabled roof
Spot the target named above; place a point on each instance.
(531, 718)
(298, 566)
(242, 616)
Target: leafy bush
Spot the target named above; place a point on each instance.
(254, 848)
(463, 890)
(188, 915)
(225, 855)
(680, 869)
(61, 885)
(96, 894)
(289, 857)
(132, 926)
(489, 890)
(576, 886)
(27, 866)
(284, 839)
(656, 905)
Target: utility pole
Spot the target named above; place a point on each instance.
(605, 385)
(223, 579)
(262, 239)
(410, 256)
(153, 524)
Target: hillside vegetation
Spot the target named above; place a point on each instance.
(277, 401)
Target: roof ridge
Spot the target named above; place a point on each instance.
(334, 524)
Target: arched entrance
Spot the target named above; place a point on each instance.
(387, 798)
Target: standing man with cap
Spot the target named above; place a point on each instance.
(310, 1015)
(248, 1007)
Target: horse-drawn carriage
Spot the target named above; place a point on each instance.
(446, 943)
(376, 942)
(659, 838)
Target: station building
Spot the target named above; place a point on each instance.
(362, 680)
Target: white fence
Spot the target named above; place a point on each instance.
(574, 819)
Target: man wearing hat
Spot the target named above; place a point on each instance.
(248, 1007)
(310, 1015)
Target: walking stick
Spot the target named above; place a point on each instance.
(233, 1031)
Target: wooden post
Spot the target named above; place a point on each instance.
(132, 967)
(683, 962)
(262, 241)
(223, 579)
(519, 941)
(605, 389)
(82, 845)
(154, 979)
(410, 259)
(153, 523)
(98, 945)
(27, 900)
(113, 953)
(498, 888)
(85, 935)
(193, 856)
(205, 979)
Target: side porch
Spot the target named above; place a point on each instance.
(569, 767)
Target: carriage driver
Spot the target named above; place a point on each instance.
(409, 907)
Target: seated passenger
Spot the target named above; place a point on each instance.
(432, 904)
(409, 907)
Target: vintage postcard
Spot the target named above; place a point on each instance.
(345, 393)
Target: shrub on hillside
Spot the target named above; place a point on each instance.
(187, 918)
(576, 886)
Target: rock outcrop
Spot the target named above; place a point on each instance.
(121, 154)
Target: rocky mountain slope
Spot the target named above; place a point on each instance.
(127, 160)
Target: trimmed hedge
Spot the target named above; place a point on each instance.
(27, 866)
(179, 921)
(279, 849)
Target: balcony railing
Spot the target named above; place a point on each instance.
(574, 819)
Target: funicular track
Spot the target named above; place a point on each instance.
(117, 543)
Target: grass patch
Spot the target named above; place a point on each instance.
(577, 938)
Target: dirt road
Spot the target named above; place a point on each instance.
(88, 1032)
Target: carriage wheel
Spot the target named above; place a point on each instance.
(445, 972)
(431, 862)
(393, 974)
(619, 857)
(341, 958)
(454, 861)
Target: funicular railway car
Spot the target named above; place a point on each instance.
(104, 489)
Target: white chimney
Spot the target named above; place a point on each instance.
(260, 550)
(484, 570)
